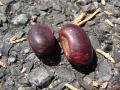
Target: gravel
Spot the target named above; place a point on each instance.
(105, 71)
(65, 74)
(25, 71)
(40, 77)
(20, 19)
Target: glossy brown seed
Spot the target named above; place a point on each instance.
(76, 44)
(41, 39)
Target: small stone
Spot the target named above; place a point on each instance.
(106, 47)
(3, 18)
(9, 84)
(59, 18)
(2, 72)
(19, 34)
(83, 2)
(91, 23)
(105, 71)
(117, 65)
(94, 41)
(95, 83)
(0, 52)
(6, 47)
(27, 67)
(117, 4)
(15, 70)
(57, 7)
(20, 19)
(26, 51)
(11, 59)
(61, 86)
(116, 55)
(104, 85)
(87, 80)
(65, 74)
(21, 88)
(31, 56)
(96, 4)
(89, 8)
(40, 77)
(6, 1)
(24, 81)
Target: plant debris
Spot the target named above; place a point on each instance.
(70, 86)
(106, 55)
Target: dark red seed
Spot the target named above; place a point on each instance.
(41, 39)
(76, 44)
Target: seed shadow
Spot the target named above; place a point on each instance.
(54, 58)
(86, 69)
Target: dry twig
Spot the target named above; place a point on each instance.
(109, 22)
(70, 87)
(19, 40)
(108, 13)
(106, 55)
(2, 64)
(12, 39)
(79, 19)
(103, 2)
(1, 3)
(89, 18)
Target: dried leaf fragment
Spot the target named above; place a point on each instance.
(70, 87)
(106, 55)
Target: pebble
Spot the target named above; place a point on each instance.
(15, 71)
(117, 4)
(0, 52)
(94, 41)
(59, 18)
(3, 18)
(87, 80)
(61, 86)
(117, 65)
(20, 19)
(27, 67)
(116, 55)
(65, 74)
(83, 2)
(19, 34)
(105, 71)
(2, 72)
(24, 81)
(26, 51)
(6, 47)
(31, 56)
(39, 76)
(21, 88)
(104, 85)
(96, 4)
(11, 59)
(106, 47)
(6, 1)
(9, 84)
